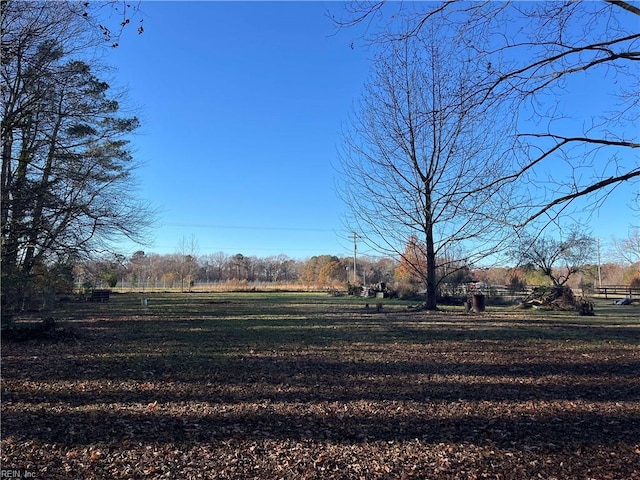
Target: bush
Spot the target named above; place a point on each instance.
(406, 291)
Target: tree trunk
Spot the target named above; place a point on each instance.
(37, 222)
(431, 299)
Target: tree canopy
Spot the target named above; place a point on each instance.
(557, 258)
(566, 70)
(422, 159)
(67, 181)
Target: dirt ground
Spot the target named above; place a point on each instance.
(303, 386)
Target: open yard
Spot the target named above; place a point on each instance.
(301, 386)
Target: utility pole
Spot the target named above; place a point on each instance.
(355, 249)
(599, 270)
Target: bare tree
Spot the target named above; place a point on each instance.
(557, 259)
(421, 160)
(188, 250)
(628, 249)
(538, 55)
(219, 261)
(121, 14)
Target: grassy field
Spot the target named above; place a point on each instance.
(302, 386)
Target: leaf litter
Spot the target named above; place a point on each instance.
(407, 397)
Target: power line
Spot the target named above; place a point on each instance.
(246, 227)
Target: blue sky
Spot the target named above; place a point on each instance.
(242, 106)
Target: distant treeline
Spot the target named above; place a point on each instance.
(193, 272)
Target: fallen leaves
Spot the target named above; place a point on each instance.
(373, 399)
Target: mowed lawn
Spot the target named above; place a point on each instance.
(301, 386)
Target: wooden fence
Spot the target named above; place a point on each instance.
(617, 291)
(606, 291)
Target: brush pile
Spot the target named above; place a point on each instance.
(557, 298)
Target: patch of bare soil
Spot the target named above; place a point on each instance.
(362, 396)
